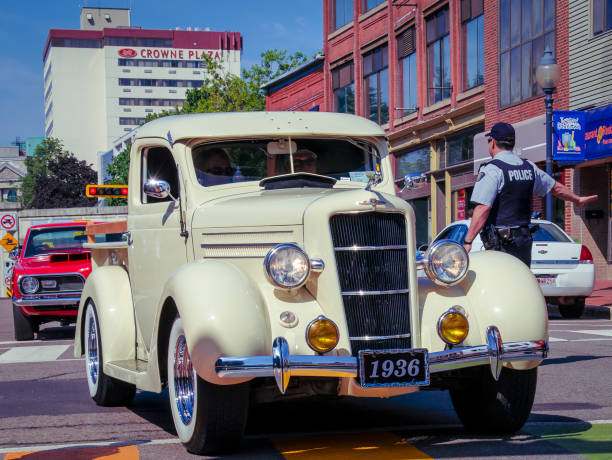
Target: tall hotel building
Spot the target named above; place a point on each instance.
(102, 80)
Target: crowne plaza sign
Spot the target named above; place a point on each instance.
(168, 53)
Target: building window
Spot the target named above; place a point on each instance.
(407, 74)
(376, 85)
(76, 43)
(122, 62)
(472, 19)
(9, 194)
(369, 4)
(135, 41)
(438, 57)
(413, 162)
(460, 149)
(342, 12)
(343, 88)
(160, 83)
(131, 121)
(602, 16)
(526, 28)
(153, 102)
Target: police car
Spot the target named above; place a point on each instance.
(564, 269)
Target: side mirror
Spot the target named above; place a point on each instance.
(14, 254)
(157, 188)
(412, 181)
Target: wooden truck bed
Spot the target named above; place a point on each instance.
(114, 253)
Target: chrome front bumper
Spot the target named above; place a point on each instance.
(46, 302)
(282, 366)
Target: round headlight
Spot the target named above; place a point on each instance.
(453, 326)
(287, 266)
(322, 335)
(446, 262)
(29, 285)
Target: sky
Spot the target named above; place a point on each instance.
(293, 25)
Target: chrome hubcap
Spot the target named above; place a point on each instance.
(183, 381)
(92, 350)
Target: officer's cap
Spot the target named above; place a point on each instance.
(501, 132)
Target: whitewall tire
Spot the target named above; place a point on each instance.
(208, 418)
(104, 390)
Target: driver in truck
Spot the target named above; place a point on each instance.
(213, 167)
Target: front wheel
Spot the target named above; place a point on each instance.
(104, 390)
(24, 326)
(572, 310)
(487, 406)
(207, 417)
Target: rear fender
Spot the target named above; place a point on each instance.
(109, 289)
(223, 313)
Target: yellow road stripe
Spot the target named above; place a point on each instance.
(92, 453)
(355, 446)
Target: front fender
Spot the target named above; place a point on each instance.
(109, 288)
(223, 313)
(498, 290)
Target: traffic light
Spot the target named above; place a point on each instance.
(106, 191)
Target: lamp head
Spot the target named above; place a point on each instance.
(547, 73)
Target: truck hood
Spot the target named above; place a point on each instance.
(262, 208)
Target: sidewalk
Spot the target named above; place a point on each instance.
(600, 301)
(602, 295)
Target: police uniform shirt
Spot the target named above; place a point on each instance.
(491, 179)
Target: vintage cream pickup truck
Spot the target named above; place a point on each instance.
(266, 256)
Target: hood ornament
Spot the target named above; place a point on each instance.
(372, 202)
(374, 178)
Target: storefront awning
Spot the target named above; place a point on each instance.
(530, 142)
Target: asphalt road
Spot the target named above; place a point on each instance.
(46, 412)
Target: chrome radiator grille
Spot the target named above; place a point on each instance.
(372, 261)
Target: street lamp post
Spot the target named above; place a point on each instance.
(547, 75)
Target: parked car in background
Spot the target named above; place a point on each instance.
(48, 276)
(564, 269)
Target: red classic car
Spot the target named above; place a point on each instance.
(48, 276)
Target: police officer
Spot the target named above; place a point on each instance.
(503, 193)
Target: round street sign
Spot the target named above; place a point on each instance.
(8, 221)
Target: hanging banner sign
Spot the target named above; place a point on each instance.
(569, 129)
(599, 133)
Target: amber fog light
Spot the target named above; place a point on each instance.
(322, 335)
(453, 327)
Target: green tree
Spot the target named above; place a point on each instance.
(55, 178)
(64, 184)
(118, 170)
(225, 92)
(40, 185)
(273, 64)
(36, 166)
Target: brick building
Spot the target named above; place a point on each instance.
(436, 74)
(300, 89)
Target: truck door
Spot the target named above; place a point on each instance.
(157, 249)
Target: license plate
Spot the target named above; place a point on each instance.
(383, 368)
(546, 280)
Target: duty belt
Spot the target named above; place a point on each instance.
(493, 237)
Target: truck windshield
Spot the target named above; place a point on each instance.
(60, 239)
(253, 160)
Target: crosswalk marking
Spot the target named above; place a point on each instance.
(33, 354)
(555, 339)
(606, 332)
